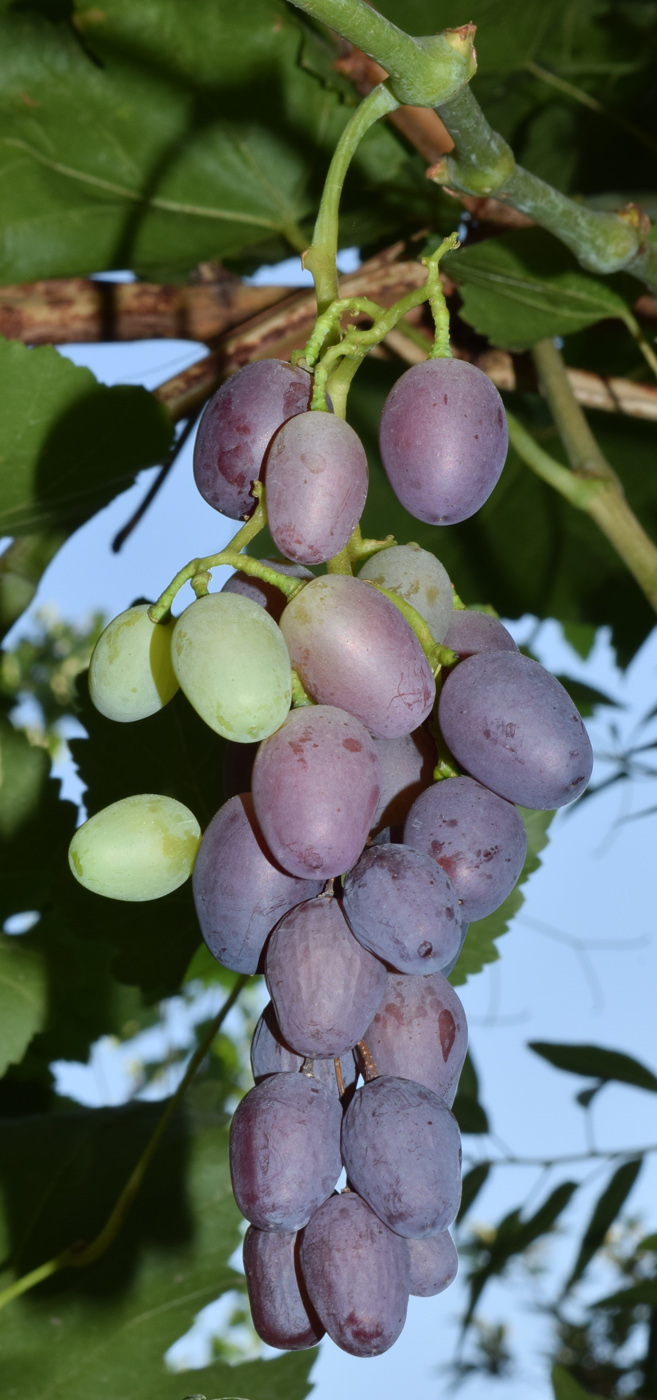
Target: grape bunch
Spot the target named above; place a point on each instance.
(394, 732)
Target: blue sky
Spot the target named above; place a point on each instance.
(579, 964)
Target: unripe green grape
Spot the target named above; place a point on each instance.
(139, 848)
(233, 665)
(130, 673)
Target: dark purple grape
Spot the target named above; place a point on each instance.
(515, 729)
(400, 911)
(472, 632)
(316, 486)
(402, 1150)
(266, 594)
(407, 766)
(325, 987)
(285, 1151)
(271, 1055)
(478, 838)
(420, 1032)
(434, 1264)
(351, 647)
(283, 1315)
(237, 426)
(315, 790)
(239, 890)
(356, 1272)
(443, 438)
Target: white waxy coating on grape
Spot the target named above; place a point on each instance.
(417, 576)
(140, 848)
(131, 674)
(233, 665)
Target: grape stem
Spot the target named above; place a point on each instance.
(437, 655)
(199, 568)
(300, 697)
(368, 1062)
(78, 1256)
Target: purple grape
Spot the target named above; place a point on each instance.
(237, 426)
(315, 790)
(283, 1315)
(407, 766)
(239, 890)
(478, 838)
(434, 1264)
(351, 647)
(316, 486)
(449, 967)
(402, 1150)
(420, 1032)
(271, 1055)
(443, 438)
(266, 594)
(285, 1151)
(515, 729)
(400, 911)
(357, 1273)
(472, 632)
(325, 987)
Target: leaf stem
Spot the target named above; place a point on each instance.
(78, 1257)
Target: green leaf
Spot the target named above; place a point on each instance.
(473, 1182)
(203, 137)
(526, 286)
(638, 1295)
(565, 1388)
(22, 998)
(23, 769)
(605, 1211)
(596, 1062)
(106, 1328)
(513, 1236)
(68, 445)
(481, 939)
(586, 697)
(469, 1112)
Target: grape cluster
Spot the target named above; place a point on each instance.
(345, 872)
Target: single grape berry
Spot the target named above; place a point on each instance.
(420, 1032)
(472, 632)
(232, 663)
(283, 1315)
(443, 438)
(271, 1055)
(515, 729)
(267, 595)
(478, 838)
(285, 1150)
(131, 674)
(417, 576)
(316, 486)
(402, 1150)
(139, 848)
(434, 1264)
(240, 891)
(315, 790)
(324, 985)
(406, 766)
(357, 1275)
(351, 647)
(403, 908)
(237, 426)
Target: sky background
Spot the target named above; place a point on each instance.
(579, 963)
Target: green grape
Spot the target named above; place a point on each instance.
(130, 673)
(233, 665)
(139, 848)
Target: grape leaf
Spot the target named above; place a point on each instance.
(67, 443)
(469, 1112)
(514, 1235)
(526, 286)
(605, 1211)
(22, 998)
(473, 1182)
(480, 943)
(566, 1388)
(596, 1062)
(106, 1328)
